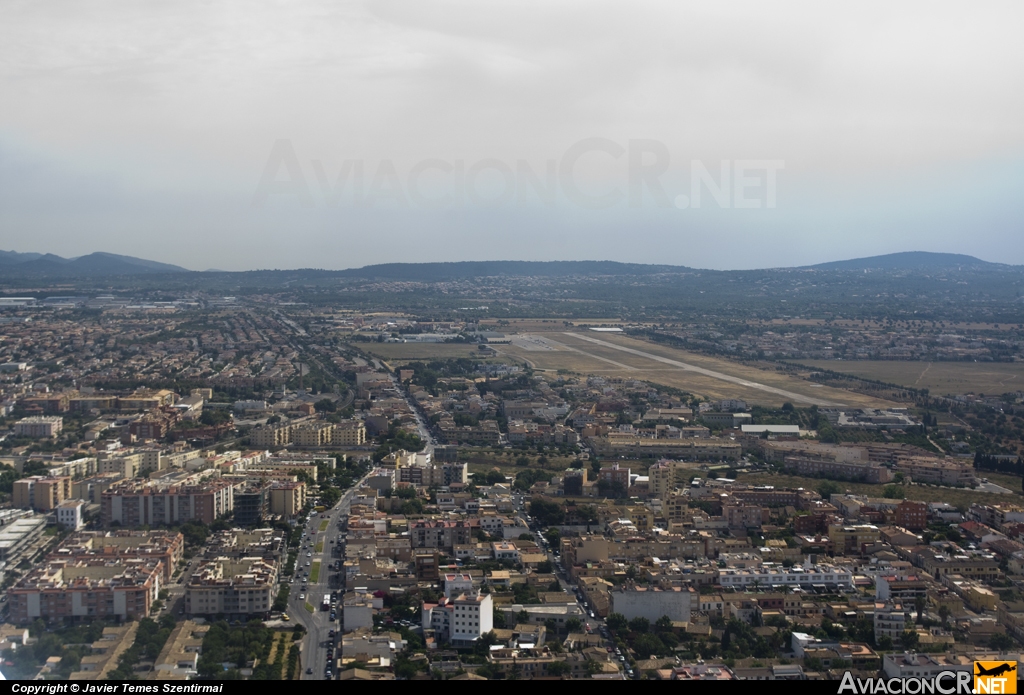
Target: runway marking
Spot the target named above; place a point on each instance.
(708, 372)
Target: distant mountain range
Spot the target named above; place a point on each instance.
(99, 263)
(102, 264)
(914, 260)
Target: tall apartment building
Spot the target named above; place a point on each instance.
(433, 474)
(572, 483)
(125, 466)
(287, 498)
(251, 505)
(94, 588)
(350, 433)
(271, 436)
(131, 503)
(154, 425)
(90, 489)
(912, 516)
(131, 465)
(39, 426)
(428, 533)
(460, 620)
(313, 434)
(244, 587)
(41, 493)
(166, 547)
(614, 474)
(891, 621)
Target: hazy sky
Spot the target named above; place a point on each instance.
(216, 134)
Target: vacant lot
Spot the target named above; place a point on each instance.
(940, 378)
(576, 352)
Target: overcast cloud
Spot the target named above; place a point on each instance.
(146, 129)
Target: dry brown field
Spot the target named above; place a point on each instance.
(940, 378)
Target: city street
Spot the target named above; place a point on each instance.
(317, 622)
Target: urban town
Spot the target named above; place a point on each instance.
(249, 488)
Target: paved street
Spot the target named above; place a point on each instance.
(318, 623)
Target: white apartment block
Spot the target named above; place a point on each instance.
(775, 576)
(39, 426)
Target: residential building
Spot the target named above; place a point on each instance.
(912, 516)
(270, 436)
(287, 498)
(69, 514)
(39, 426)
(891, 620)
(350, 433)
(770, 575)
(251, 504)
(937, 471)
(132, 503)
(87, 588)
(42, 493)
(653, 602)
(244, 587)
(166, 547)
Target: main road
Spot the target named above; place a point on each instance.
(318, 623)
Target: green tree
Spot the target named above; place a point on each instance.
(1001, 641)
(559, 668)
(909, 639)
(325, 405)
(895, 492)
(617, 622)
(640, 624)
(648, 644)
(828, 488)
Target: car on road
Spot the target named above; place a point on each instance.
(309, 672)
(302, 597)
